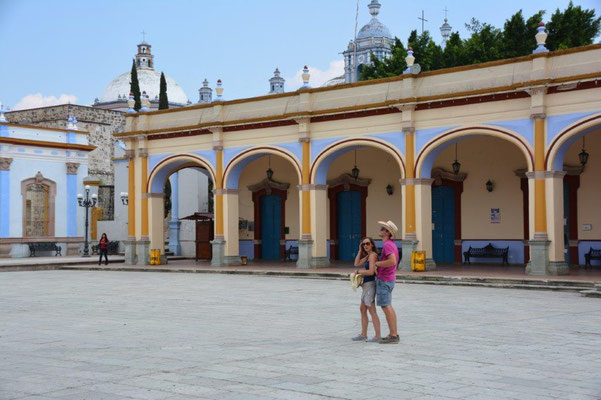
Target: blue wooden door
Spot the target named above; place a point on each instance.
(443, 221)
(271, 226)
(349, 224)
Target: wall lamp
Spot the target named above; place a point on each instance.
(124, 198)
(389, 189)
(489, 185)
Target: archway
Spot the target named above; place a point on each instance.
(485, 201)
(581, 220)
(179, 186)
(261, 191)
(356, 198)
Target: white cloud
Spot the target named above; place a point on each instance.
(318, 77)
(37, 100)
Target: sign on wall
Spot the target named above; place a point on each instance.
(495, 215)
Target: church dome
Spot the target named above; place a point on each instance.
(150, 82)
(374, 28)
(118, 89)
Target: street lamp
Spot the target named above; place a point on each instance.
(86, 203)
(124, 198)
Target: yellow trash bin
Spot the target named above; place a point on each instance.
(155, 257)
(418, 261)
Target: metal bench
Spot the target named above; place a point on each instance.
(291, 251)
(488, 251)
(593, 254)
(44, 246)
(113, 248)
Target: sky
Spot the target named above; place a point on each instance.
(59, 51)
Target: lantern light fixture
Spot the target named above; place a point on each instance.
(456, 165)
(355, 170)
(389, 189)
(269, 171)
(489, 185)
(583, 155)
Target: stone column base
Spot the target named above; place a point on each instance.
(407, 246)
(5, 250)
(430, 264)
(305, 247)
(164, 260)
(320, 262)
(539, 257)
(73, 249)
(558, 268)
(130, 252)
(143, 252)
(232, 260)
(218, 259)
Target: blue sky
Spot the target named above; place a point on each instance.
(74, 49)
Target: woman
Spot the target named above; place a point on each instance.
(103, 245)
(367, 257)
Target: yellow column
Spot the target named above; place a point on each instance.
(131, 205)
(143, 181)
(306, 226)
(218, 192)
(540, 204)
(410, 185)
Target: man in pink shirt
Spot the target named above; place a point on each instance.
(386, 276)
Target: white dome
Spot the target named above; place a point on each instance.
(150, 82)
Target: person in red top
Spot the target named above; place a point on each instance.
(386, 277)
(103, 246)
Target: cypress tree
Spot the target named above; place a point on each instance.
(134, 86)
(163, 100)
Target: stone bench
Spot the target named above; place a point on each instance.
(113, 248)
(593, 254)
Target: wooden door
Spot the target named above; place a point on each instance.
(204, 236)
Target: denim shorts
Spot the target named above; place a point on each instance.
(384, 292)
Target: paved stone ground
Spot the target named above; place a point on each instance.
(122, 335)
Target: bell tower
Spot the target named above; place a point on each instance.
(144, 58)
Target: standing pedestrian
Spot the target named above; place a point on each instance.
(367, 257)
(103, 246)
(386, 277)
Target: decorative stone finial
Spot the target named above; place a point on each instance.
(2, 117)
(145, 102)
(219, 90)
(541, 39)
(409, 60)
(131, 102)
(306, 76)
(374, 8)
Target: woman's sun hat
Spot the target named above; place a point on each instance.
(390, 227)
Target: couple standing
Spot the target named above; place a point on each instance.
(379, 275)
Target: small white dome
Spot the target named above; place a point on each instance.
(150, 82)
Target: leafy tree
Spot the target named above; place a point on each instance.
(571, 28)
(484, 44)
(134, 86)
(518, 35)
(163, 99)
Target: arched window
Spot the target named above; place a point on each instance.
(38, 206)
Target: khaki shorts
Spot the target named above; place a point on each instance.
(369, 293)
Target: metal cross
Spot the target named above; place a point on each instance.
(445, 12)
(423, 20)
(143, 36)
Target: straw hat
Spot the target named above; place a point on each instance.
(390, 227)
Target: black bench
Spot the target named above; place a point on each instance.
(488, 251)
(593, 254)
(113, 248)
(291, 251)
(44, 246)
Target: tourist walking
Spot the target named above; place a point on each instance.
(103, 248)
(386, 276)
(367, 257)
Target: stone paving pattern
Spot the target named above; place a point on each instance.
(127, 335)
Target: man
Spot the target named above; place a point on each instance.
(386, 276)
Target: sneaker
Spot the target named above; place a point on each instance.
(374, 340)
(389, 339)
(359, 338)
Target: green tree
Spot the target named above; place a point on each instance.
(163, 99)
(484, 44)
(518, 35)
(571, 28)
(134, 86)
(454, 52)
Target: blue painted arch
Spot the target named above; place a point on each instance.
(427, 156)
(161, 172)
(564, 140)
(323, 161)
(233, 170)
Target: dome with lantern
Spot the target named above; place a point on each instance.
(116, 93)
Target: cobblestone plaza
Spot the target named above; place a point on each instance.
(118, 335)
